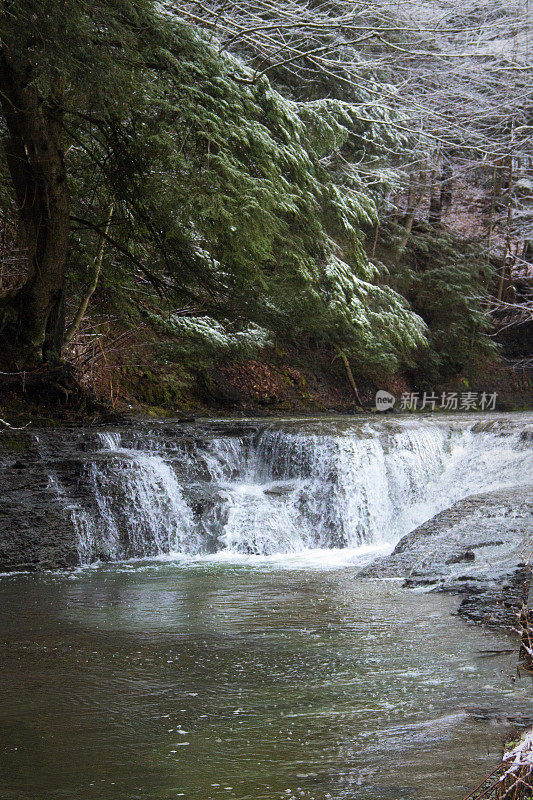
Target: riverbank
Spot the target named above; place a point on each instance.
(514, 775)
(277, 382)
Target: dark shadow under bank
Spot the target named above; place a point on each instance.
(273, 384)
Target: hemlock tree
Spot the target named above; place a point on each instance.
(128, 130)
(442, 101)
(453, 76)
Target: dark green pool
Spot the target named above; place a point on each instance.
(210, 680)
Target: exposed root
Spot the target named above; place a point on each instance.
(55, 388)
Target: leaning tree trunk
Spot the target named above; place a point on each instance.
(416, 192)
(440, 192)
(36, 165)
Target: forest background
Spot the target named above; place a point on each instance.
(255, 206)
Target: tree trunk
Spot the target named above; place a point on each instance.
(441, 192)
(35, 161)
(349, 373)
(416, 192)
(508, 258)
(497, 179)
(446, 190)
(435, 208)
(94, 274)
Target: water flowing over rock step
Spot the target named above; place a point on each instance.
(76, 495)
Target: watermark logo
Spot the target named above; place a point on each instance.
(430, 401)
(384, 400)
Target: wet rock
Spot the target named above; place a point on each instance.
(278, 491)
(497, 543)
(411, 583)
(493, 580)
(36, 528)
(498, 716)
(499, 603)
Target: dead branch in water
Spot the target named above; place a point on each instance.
(513, 777)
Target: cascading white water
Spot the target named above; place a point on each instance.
(142, 510)
(289, 488)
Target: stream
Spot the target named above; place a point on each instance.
(215, 640)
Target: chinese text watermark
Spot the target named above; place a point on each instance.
(431, 401)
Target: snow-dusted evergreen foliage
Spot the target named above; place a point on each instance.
(439, 100)
(244, 149)
(214, 337)
(246, 214)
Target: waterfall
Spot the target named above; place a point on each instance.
(141, 507)
(285, 487)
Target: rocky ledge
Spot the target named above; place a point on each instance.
(479, 548)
